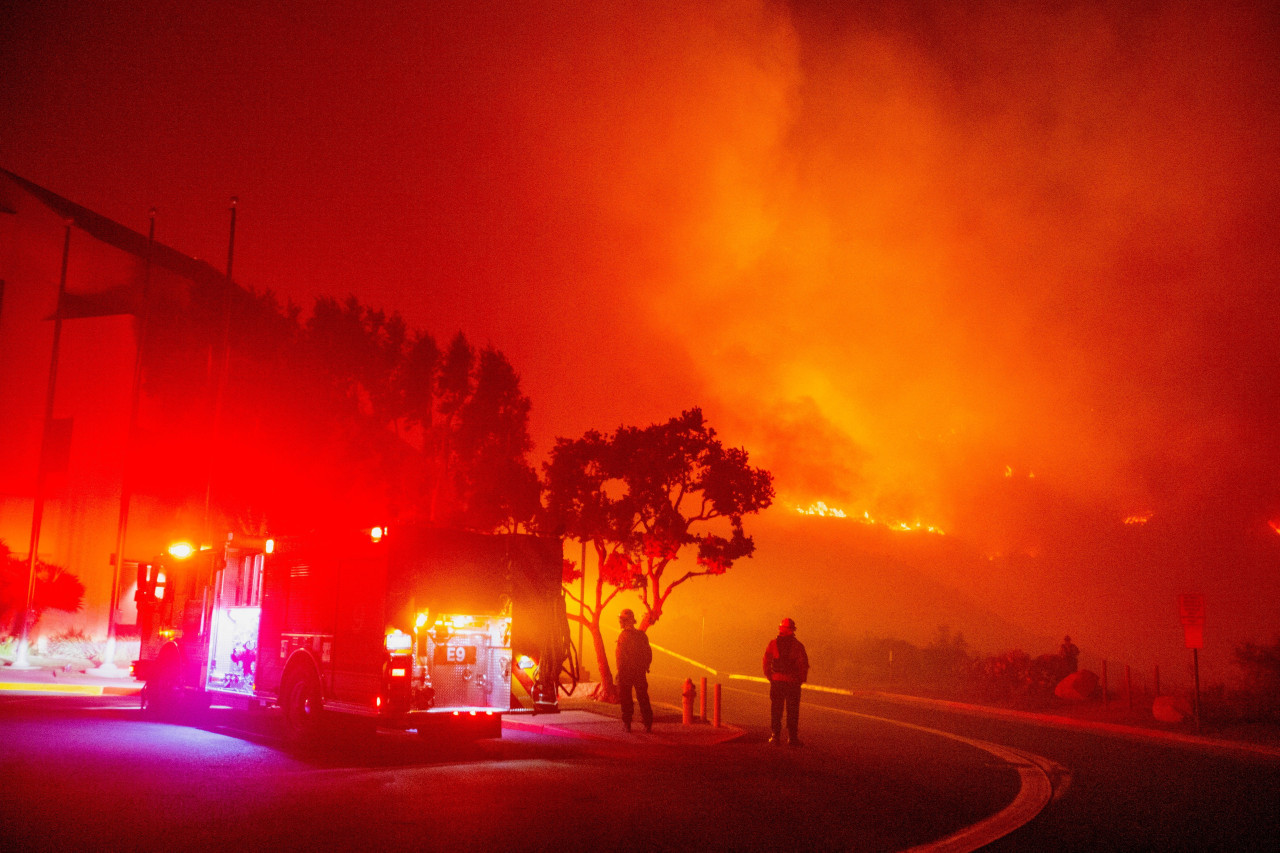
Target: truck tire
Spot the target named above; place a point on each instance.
(162, 694)
(303, 706)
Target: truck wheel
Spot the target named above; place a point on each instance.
(303, 706)
(161, 693)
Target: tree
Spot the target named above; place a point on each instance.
(55, 587)
(474, 422)
(641, 497)
(348, 412)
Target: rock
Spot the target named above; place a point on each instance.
(1170, 709)
(1079, 686)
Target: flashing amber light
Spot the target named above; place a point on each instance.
(377, 702)
(420, 621)
(377, 533)
(181, 550)
(270, 546)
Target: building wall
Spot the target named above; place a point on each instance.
(94, 380)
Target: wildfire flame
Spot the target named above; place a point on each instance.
(823, 509)
(820, 508)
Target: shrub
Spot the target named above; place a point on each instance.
(1258, 696)
(74, 644)
(1003, 676)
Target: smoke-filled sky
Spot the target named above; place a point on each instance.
(1004, 268)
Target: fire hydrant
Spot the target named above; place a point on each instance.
(688, 694)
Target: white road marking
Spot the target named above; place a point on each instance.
(1036, 775)
(1035, 789)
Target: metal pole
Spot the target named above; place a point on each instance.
(702, 700)
(1195, 663)
(108, 665)
(223, 373)
(37, 510)
(715, 718)
(582, 598)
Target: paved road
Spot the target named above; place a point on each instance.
(1129, 792)
(1111, 791)
(90, 773)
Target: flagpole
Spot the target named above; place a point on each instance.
(223, 373)
(37, 511)
(108, 665)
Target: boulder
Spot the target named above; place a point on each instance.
(1170, 709)
(1079, 686)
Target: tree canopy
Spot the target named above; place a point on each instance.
(348, 411)
(55, 587)
(640, 497)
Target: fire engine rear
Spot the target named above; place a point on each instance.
(417, 628)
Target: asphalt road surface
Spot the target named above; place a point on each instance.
(89, 773)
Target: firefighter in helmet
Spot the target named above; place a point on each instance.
(786, 665)
(633, 656)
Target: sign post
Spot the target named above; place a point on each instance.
(1191, 615)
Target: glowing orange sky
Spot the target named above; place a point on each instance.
(891, 252)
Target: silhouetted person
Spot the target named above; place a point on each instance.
(786, 665)
(1070, 655)
(634, 656)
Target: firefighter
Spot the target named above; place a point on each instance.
(786, 665)
(634, 656)
(1070, 654)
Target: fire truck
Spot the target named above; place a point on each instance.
(408, 628)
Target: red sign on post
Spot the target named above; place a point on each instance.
(1191, 615)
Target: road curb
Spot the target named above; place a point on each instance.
(595, 726)
(68, 689)
(1061, 722)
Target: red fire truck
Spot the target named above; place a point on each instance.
(409, 628)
